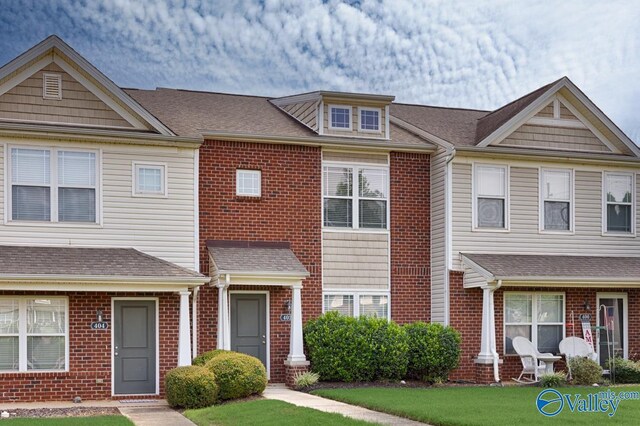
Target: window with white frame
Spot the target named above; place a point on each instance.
(358, 304)
(369, 119)
(149, 179)
(557, 200)
(539, 317)
(53, 185)
(248, 183)
(362, 206)
(340, 117)
(490, 187)
(618, 201)
(33, 334)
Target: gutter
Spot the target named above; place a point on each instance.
(562, 156)
(96, 279)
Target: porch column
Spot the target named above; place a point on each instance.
(184, 337)
(296, 351)
(224, 333)
(488, 335)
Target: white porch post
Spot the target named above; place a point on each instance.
(224, 334)
(184, 337)
(488, 336)
(296, 351)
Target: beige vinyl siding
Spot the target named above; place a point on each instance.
(438, 237)
(305, 112)
(355, 260)
(546, 112)
(355, 157)
(555, 138)
(77, 106)
(355, 121)
(473, 279)
(524, 236)
(566, 114)
(162, 227)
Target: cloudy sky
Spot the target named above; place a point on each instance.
(473, 54)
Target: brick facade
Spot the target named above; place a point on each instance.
(90, 351)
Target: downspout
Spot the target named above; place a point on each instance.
(494, 352)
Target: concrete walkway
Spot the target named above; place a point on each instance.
(282, 393)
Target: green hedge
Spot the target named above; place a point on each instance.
(237, 375)
(585, 371)
(434, 350)
(191, 387)
(626, 371)
(203, 358)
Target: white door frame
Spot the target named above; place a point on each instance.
(113, 312)
(267, 313)
(625, 319)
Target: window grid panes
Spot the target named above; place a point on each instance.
(619, 202)
(370, 120)
(30, 184)
(358, 304)
(340, 117)
(491, 196)
(538, 317)
(557, 198)
(248, 183)
(150, 179)
(340, 303)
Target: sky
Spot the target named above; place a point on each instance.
(471, 54)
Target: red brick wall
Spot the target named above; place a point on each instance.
(90, 351)
(410, 237)
(289, 210)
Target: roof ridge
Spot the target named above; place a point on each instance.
(439, 107)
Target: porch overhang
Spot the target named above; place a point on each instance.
(484, 269)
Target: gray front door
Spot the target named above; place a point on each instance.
(134, 347)
(249, 325)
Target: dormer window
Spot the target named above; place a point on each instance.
(339, 117)
(369, 119)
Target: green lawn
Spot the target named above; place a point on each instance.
(479, 405)
(70, 421)
(266, 412)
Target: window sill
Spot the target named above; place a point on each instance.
(619, 234)
(357, 231)
(556, 232)
(134, 195)
(249, 198)
(56, 224)
(495, 230)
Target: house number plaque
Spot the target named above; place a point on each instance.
(285, 317)
(102, 325)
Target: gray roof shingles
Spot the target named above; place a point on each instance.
(255, 257)
(82, 261)
(523, 266)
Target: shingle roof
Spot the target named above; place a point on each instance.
(81, 261)
(255, 257)
(567, 267)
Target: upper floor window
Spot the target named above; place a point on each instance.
(53, 185)
(363, 205)
(557, 200)
(369, 119)
(149, 179)
(490, 187)
(248, 183)
(340, 117)
(618, 201)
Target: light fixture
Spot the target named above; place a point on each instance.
(287, 305)
(98, 315)
(586, 305)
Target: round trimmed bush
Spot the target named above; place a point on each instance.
(237, 375)
(191, 387)
(585, 371)
(204, 357)
(434, 350)
(624, 370)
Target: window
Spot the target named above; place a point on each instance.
(42, 191)
(150, 180)
(358, 304)
(557, 200)
(618, 201)
(248, 183)
(340, 117)
(369, 119)
(364, 207)
(490, 184)
(33, 334)
(537, 316)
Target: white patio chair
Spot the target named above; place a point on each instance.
(572, 347)
(531, 366)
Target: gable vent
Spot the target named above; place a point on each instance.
(51, 86)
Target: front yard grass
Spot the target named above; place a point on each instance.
(69, 421)
(479, 405)
(266, 412)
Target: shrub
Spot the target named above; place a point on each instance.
(191, 387)
(553, 380)
(306, 379)
(626, 371)
(237, 375)
(434, 350)
(585, 371)
(348, 349)
(203, 358)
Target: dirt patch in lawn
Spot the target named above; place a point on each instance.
(64, 412)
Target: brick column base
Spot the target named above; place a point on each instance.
(291, 370)
(484, 374)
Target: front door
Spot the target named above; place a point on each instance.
(249, 324)
(134, 347)
(612, 322)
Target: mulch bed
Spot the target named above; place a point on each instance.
(64, 412)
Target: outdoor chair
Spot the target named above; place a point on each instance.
(532, 366)
(572, 347)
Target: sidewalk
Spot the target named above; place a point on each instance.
(282, 393)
